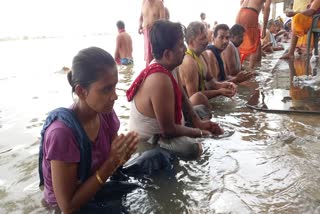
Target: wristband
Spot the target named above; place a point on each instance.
(99, 178)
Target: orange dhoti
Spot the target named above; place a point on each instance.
(248, 18)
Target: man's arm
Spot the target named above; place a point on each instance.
(140, 29)
(188, 72)
(163, 104)
(266, 12)
(315, 5)
(213, 70)
(196, 121)
(308, 12)
(229, 61)
(188, 109)
(233, 75)
(212, 65)
(117, 53)
(280, 33)
(216, 88)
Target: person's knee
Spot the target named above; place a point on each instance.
(193, 152)
(184, 147)
(199, 99)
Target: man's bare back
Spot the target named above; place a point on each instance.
(124, 44)
(255, 4)
(151, 11)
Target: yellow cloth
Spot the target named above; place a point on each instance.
(300, 4)
(302, 42)
(201, 69)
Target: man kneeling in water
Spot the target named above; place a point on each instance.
(158, 100)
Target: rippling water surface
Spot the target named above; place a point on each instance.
(270, 164)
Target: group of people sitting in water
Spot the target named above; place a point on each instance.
(80, 147)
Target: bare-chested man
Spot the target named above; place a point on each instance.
(151, 11)
(194, 73)
(157, 98)
(123, 52)
(213, 55)
(203, 20)
(248, 18)
(231, 55)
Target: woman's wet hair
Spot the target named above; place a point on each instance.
(88, 65)
(165, 35)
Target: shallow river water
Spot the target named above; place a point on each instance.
(270, 164)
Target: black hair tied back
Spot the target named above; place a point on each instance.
(69, 76)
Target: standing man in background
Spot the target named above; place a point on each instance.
(301, 23)
(203, 20)
(151, 11)
(123, 52)
(248, 18)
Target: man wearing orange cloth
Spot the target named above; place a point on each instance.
(301, 23)
(248, 18)
(151, 11)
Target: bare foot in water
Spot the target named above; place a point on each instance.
(287, 56)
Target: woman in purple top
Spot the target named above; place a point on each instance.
(93, 79)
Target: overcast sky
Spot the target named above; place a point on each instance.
(68, 17)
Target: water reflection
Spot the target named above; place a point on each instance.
(292, 91)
